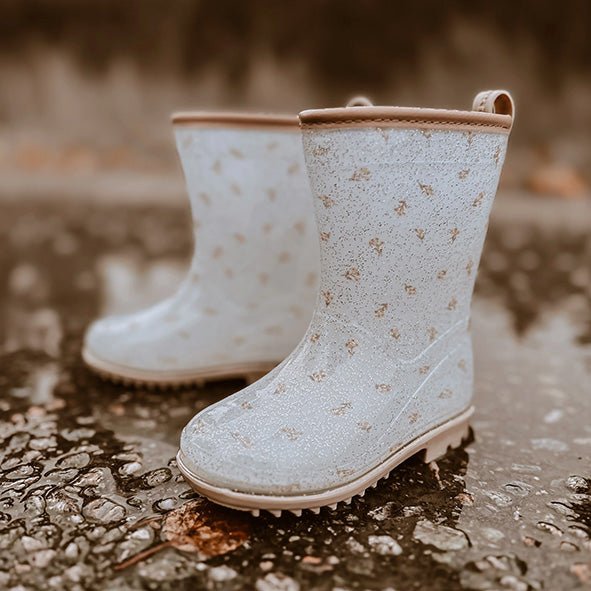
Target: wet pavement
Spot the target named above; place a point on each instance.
(90, 496)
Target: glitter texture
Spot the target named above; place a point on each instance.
(402, 216)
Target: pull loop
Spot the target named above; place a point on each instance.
(359, 101)
(494, 101)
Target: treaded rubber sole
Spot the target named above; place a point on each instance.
(250, 372)
(434, 444)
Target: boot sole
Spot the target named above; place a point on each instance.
(250, 372)
(434, 444)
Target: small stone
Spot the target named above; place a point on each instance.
(549, 527)
(71, 551)
(79, 460)
(221, 574)
(354, 546)
(500, 499)
(166, 504)
(582, 571)
(31, 544)
(77, 434)
(42, 558)
(157, 477)
(130, 468)
(577, 483)
(277, 582)
(104, 511)
(385, 545)
(440, 536)
(43, 443)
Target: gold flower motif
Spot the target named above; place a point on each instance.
(236, 153)
(239, 340)
(383, 388)
(463, 174)
(377, 245)
(413, 417)
(381, 310)
(446, 393)
(432, 332)
(246, 405)
(420, 233)
(210, 311)
(395, 333)
(497, 155)
(235, 189)
(229, 273)
(296, 311)
(275, 329)
(184, 334)
(318, 376)
(469, 137)
(267, 228)
(441, 274)
(353, 274)
(292, 434)
(272, 146)
(324, 236)
(454, 234)
(271, 194)
(328, 201)
(280, 388)
(351, 345)
(364, 426)
(263, 278)
(344, 472)
(478, 201)
(217, 167)
(293, 168)
(424, 369)
(198, 427)
(242, 439)
(284, 257)
(300, 227)
(362, 174)
(205, 198)
(462, 364)
(341, 409)
(328, 297)
(314, 338)
(311, 279)
(469, 266)
(427, 133)
(402, 207)
(410, 290)
(426, 189)
(453, 304)
(320, 150)
(241, 238)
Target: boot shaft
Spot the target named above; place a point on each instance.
(252, 213)
(402, 200)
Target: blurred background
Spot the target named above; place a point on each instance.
(86, 88)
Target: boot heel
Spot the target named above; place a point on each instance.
(453, 437)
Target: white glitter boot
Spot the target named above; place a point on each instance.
(249, 295)
(402, 201)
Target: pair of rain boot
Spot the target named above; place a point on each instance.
(401, 199)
